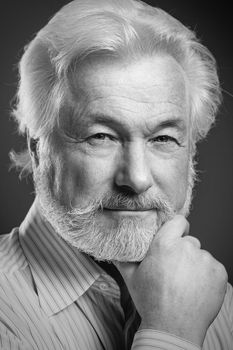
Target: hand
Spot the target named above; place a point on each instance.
(178, 288)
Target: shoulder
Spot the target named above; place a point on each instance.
(15, 276)
(11, 254)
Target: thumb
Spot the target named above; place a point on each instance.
(126, 269)
(177, 227)
(171, 230)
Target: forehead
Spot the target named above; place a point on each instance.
(148, 89)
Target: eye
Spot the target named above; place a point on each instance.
(164, 139)
(100, 138)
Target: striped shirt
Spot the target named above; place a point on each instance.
(54, 297)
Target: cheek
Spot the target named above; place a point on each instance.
(181, 185)
(175, 181)
(83, 178)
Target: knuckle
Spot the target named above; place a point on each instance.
(191, 245)
(206, 256)
(188, 245)
(221, 277)
(193, 241)
(222, 272)
(217, 268)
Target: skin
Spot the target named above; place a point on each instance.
(130, 133)
(185, 285)
(130, 136)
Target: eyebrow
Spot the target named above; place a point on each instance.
(173, 122)
(169, 122)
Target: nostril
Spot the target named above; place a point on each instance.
(125, 189)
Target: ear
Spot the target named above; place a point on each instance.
(33, 149)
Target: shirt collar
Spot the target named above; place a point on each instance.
(61, 273)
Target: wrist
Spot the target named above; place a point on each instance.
(148, 339)
(189, 334)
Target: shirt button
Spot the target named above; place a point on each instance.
(104, 286)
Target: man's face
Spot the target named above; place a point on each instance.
(120, 166)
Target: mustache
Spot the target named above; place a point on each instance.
(122, 201)
(126, 202)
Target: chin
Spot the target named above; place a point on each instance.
(126, 241)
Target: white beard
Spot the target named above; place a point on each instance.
(129, 240)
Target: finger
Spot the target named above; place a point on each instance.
(194, 241)
(177, 227)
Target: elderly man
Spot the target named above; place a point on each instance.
(113, 97)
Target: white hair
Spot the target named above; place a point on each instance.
(125, 29)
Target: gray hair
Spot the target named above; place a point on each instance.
(119, 28)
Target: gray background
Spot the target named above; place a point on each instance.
(211, 217)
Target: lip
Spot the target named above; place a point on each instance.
(128, 212)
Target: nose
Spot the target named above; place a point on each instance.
(134, 171)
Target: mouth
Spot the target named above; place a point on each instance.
(129, 209)
(117, 212)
